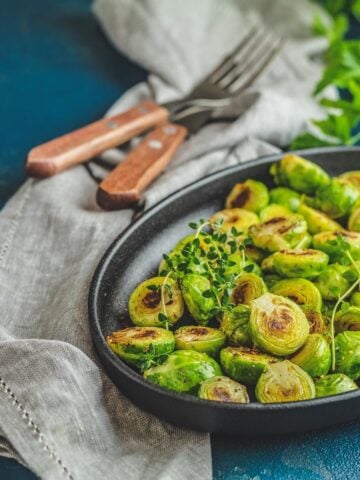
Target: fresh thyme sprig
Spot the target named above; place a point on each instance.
(212, 253)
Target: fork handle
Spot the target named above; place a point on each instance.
(123, 186)
(82, 144)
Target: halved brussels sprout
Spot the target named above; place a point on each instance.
(274, 211)
(279, 233)
(223, 389)
(183, 371)
(347, 354)
(333, 384)
(251, 195)
(235, 324)
(301, 291)
(355, 299)
(298, 173)
(326, 241)
(254, 254)
(248, 287)
(277, 325)
(306, 263)
(331, 282)
(314, 356)
(145, 303)
(244, 364)
(193, 287)
(284, 382)
(337, 198)
(202, 339)
(238, 218)
(348, 319)
(141, 345)
(354, 220)
(317, 221)
(286, 197)
(353, 177)
(316, 321)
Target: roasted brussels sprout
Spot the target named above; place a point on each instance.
(354, 220)
(337, 198)
(317, 221)
(300, 174)
(314, 356)
(251, 195)
(183, 371)
(347, 354)
(235, 324)
(248, 287)
(202, 339)
(348, 319)
(331, 282)
(284, 382)
(355, 299)
(238, 218)
(301, 291)
(286, 197)
(352, 177)
(141, 345)
(306, 263)
(333, 384)
(277, 325)
(280, 233)
(223, 389)
(244, 364)
(193, 287)
(326, 241)
(145, 303)
(274, 211)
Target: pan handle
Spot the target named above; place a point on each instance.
(123, 186)
(76, 147)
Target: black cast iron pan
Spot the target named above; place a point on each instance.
(135, 255)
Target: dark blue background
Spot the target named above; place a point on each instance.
(57, 72)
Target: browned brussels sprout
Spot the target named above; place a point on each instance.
(248, 287)
(277, 325)
(238, 218)
(223, 389)
(347, 319)
(327, 242)
(337, 198)
(251, 195)
(301, 291)
(317, 221)
(153, 299)
(280, 233)
(202, 339)
(244, 364)
(306, 263)
(235, 325)
(300, 174)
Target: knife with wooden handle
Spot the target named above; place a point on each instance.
(80, 145)
(123, 186)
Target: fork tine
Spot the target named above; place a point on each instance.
(239, 83)
(228, 61)
(246, 59)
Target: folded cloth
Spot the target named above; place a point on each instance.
(59, 413)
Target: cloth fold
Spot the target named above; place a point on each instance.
(58, 409)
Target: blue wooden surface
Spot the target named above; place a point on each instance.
(57, 72)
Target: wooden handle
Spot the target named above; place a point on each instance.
(123, 186)
(81, 145)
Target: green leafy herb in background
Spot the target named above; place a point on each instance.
(342, 69)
